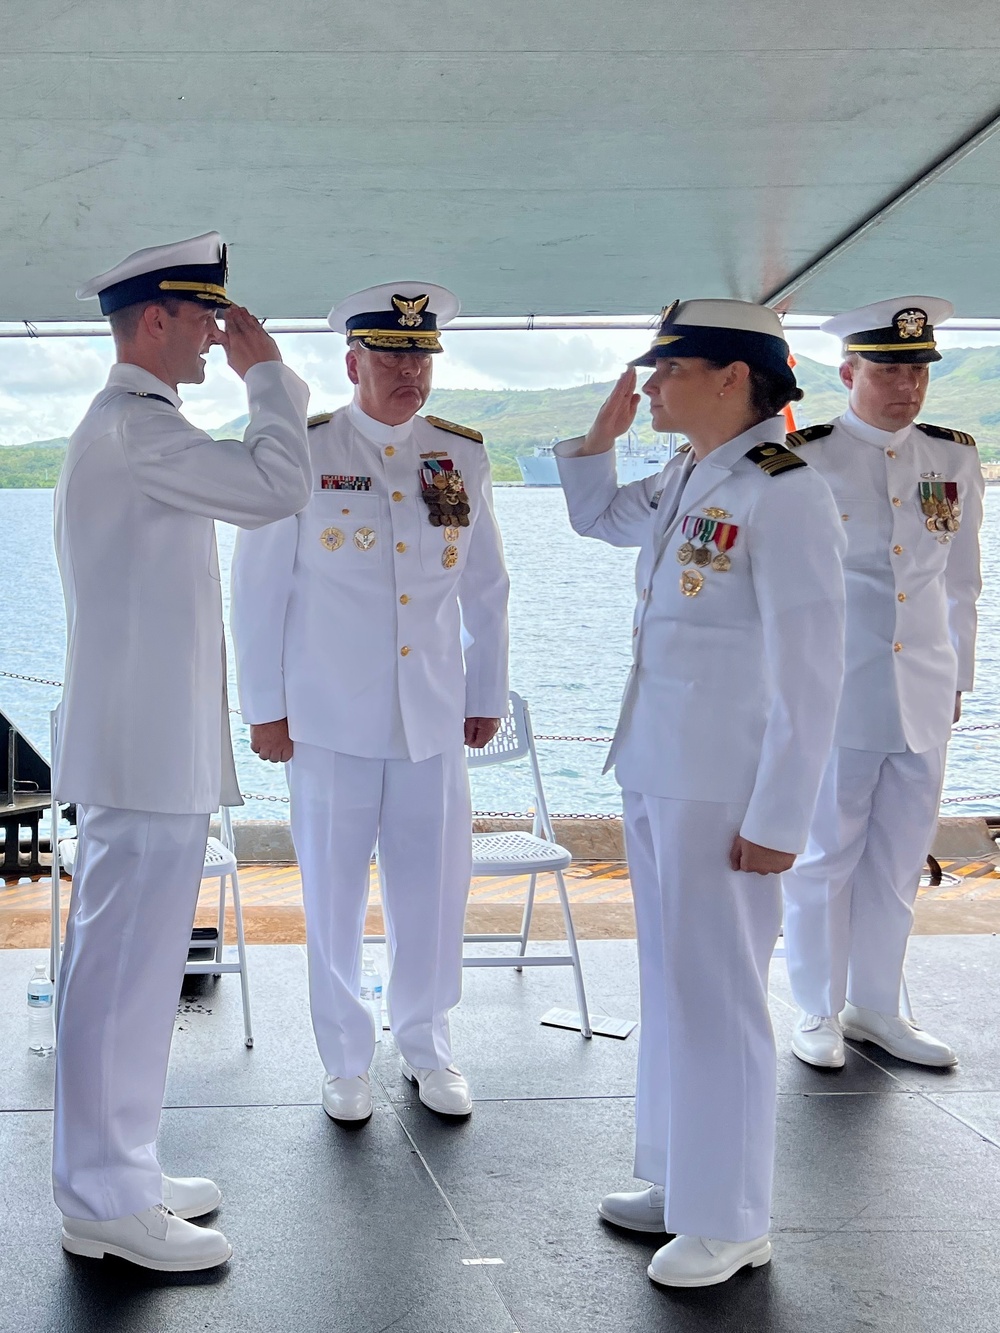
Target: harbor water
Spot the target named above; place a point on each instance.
(571, 606)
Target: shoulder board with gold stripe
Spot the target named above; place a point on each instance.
(946, 433)
(683, 449)
(774, 458)
(450, 426)
(806, 435)
(320, 419)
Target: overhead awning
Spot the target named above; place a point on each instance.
(571, 157)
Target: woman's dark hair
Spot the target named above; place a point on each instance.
(768, 393)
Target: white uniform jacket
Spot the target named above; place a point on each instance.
(734, 688)
(348, 619)
(911, 591)
(143, 723)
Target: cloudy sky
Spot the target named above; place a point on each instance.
(46, 383)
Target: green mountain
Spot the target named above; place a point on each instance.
(965, 392)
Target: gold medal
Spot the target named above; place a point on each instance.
(450, 557)
(451, 534)
(691, 582)
(702, 556)
(931, 525)
(951, 524)
(332, 538)
(364, 539)
(721, 562)
(685, 553)
(928, 506)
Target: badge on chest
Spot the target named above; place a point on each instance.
(941, 507)
(709, 541)
(344, 482)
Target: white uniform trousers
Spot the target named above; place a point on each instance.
(849, 899)
(135, 890)
(421, 817)
(706, 1094)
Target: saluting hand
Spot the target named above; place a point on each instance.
(757, 860)
(245, 342)
(271, 741)
(616, 415)
(479, 731)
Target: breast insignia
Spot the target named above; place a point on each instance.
(320, 419)
(450, 426)
(806, 435)
(946, 433)
(774, 458)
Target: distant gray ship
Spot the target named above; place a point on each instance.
(635, 460)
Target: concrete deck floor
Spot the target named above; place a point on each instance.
(886, 1209)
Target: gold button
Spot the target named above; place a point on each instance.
(897, 550)
(398, 495)
(895, 500)
(897, 647)
(404, 650)
(389, 450)
(890, 453)
(404, 598)
(900, 596)
(345, 511)
(401, 547)
(845, 517)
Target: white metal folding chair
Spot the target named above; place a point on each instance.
(502, 855)
(220, 864)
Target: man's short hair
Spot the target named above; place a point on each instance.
(125, 322)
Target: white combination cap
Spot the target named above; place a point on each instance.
(192, 270)
(396, 316)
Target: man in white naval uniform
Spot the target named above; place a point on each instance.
(725, 726)
(349, 622)
(143, 732)
(910, 499)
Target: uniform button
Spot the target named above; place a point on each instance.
(398, 495)
(897, 550)
(389, 451)
(404, 651)
(895, 500)
(345, 511)
(890, 453)
(401, 547)
(900, 596)
(845, 517)
(404, 598)
(897, 647)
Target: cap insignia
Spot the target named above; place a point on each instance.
(910, 323)
(410, 312)
(668, 310)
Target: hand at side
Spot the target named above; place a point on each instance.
(271, 741)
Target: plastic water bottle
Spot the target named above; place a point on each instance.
(41, 1017)
(371, 989)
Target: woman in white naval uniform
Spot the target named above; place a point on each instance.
(911, 502)
(725, 727)
(143, 742)
(348, 622)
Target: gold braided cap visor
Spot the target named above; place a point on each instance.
(398, 340)
(202, 291)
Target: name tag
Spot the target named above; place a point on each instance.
(342, 482)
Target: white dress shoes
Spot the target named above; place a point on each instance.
(156, 1238)
(190, 1196)
(443, 1090)
(819, 1041)
(640, 1210)
(694, 1261)
(347, 1098)
(899, 1036)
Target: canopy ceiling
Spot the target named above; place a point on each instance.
(563, 157)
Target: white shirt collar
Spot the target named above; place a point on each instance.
(377, 431)
(771, 431)
(861, 430)
(127, 376)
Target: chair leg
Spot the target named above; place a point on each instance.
(221, 923)
(529, 904)
(581, 994)
(242, 954)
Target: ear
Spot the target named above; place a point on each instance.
(847, 374)
(154, 322)
(737, 374)
(351, 362)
